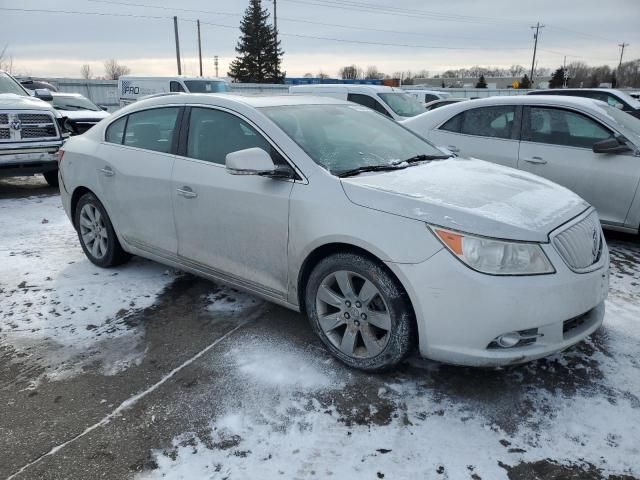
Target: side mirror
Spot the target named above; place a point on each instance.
(251, 161)
(43, 94)
(611, 145)
(103, 107)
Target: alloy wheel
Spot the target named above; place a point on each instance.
(93, 231)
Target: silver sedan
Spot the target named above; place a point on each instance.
(329, 208)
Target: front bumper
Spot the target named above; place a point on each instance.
(460, 312)
(27, 161)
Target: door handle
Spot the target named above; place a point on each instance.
(453, 148)
(107, 172)
(536, 160)
(186, 192)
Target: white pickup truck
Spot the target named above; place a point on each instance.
(31, 132)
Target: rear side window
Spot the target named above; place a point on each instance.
(115, 131)
(453, 124)
(430, 97)
(214, 133)
(495, 122)
(562, 127)
(152, 129)
(175, 87)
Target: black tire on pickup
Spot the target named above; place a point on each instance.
(51, 177)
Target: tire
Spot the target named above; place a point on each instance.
(51, 178)
(90, 218)
(344, 294)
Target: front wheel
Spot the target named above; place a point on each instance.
(51, 178)
(360, 312)
(96, 234)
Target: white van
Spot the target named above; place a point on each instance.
(426, 96)
(132, 88)
(393, 102)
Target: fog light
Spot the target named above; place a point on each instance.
(508, 340)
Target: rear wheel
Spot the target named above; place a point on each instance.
(360, 312)
(96, 234)
(51, 178)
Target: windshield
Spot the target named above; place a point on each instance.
(73, 103)
(342, 138)
(624, 119)
(206, 86)
(403, 104)
(8, 85)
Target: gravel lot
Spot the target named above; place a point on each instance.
(145, 372)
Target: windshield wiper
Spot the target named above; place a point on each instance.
(424, 157)
(372, 168)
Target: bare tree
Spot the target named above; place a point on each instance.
(350, 72)
(85, 71)
(308, 75)
(516, 70)
(372, 73)
(6, 61)
(113, 70)
(321, 75)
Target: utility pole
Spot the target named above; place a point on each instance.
(275, 35)
(215, 62)
(199, 48)
(175, 27)
(565, 74)
(537, 26)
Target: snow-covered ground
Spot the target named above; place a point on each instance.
(284, 408)
(290, 411)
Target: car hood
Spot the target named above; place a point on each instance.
(21, 102)
(84, 114)
(469, 195)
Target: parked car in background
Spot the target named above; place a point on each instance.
(389, 101)
(132, 88)
(31, 132)
(615, 98)
(588, 146)
(331, 209)
(81, 112)
(441, 103)
(33, 85)
(426, 96)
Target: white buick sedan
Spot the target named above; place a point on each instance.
(331, 209)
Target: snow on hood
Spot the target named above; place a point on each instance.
(84, 114)
(13, 101)
(469, 195)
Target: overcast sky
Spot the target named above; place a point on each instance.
(475, 32)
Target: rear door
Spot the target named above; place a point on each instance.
(488, 133)
(234, 225)
(135, 177)
(557, 144)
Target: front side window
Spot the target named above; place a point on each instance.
(367, 101)
(402, 104)
(175, 87)
(9, 85)
(152, 129)
(213, 134)
(429, 97)
(496, 122)
(562, 127)
(341, 138)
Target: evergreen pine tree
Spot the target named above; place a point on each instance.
(525, 82)
(259, 55)
(482, 83)
(557, 79)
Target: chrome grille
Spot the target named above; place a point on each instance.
(581, 244)
(38, 132)
(34, 118)
(17, 125)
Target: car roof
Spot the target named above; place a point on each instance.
(558, 90)
(345, 86)
(167, 77)
(255, 101)
(533, 100)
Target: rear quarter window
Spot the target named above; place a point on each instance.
(115, 131)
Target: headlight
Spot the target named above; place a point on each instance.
(495, 257)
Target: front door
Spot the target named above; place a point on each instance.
(136, 177)
(235, 225)
(557, 144)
